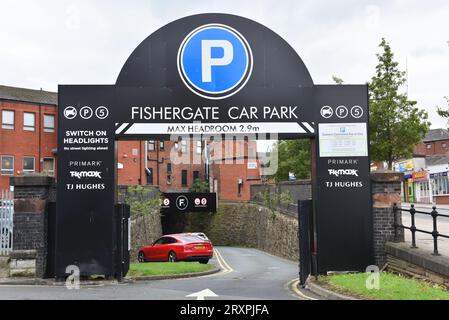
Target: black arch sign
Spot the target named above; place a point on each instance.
(158, 93)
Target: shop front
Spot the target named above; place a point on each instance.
(422, 186)
(440, 187)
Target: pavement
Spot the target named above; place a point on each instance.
(246, 274)
(425, 222)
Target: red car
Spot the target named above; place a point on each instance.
(177, 247)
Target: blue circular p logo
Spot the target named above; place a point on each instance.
(215, 61)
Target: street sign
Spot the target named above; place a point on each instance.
(212, 75)
(189, 202)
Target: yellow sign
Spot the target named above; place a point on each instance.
(420, 175)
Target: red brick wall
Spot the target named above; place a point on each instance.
(432, 148)
(131, 155)
(20, 143)
(228, 176)
(190, 161)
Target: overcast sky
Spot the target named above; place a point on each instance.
(45, 43)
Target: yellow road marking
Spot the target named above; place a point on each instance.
(293, 285)
(223, 261)
(224, 266)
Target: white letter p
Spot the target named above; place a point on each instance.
(206, 56)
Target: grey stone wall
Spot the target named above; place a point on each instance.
(31, 194)
(39, 187)
(248, 225)
(299, 190)
(386, 190)
(144, 230)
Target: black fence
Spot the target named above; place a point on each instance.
(434, 233)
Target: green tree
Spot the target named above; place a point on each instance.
(396, 124)
(337, 80)
(444, 112)
(199, 186)
(293, 156)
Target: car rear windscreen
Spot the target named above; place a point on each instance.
(190, 239)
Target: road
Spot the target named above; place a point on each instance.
(248, 274)
(425, 222)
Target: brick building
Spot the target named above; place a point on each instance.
(28, 145)
(435, 142)
(173, 166)
(28, 133)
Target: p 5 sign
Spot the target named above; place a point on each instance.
(215, 61)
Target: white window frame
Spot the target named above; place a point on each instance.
(183, 146)
(34, 164)
(1, 165)
(151, 145)
(28, 127)
(52, 174)
(49, 129)
(199, 147)
(8, 126)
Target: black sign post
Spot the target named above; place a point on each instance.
(201, 76)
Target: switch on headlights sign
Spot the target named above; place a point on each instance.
(343, 140)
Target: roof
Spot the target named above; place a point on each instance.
(28, 95)
(436, 135)
(437, 159)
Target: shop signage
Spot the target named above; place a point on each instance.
(420, 176)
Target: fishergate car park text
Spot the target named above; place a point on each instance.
(215, 113)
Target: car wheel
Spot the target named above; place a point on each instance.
(141, 257)
(204, 261)
(172, 257)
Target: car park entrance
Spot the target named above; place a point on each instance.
(203, 76)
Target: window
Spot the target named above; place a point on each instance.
(8, 119)
(49, 123)
(428, 146)
(159, 241)
(198, 147)
(150, 176)
(151, 145)
(170, 240)
(184, 178)
(168, 167)
(176, 146)
(183, 146)
(28, 164)
(29, 121)
(196, 175)
(7, 165)
(49, 166)
(444, 145)
(161, 145)
(169, 179)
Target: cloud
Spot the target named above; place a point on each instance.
(46, 43)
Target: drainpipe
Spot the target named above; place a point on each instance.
(157, 160)
(146, 158)
(40, 142)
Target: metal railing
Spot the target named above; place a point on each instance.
(434, 233)
(6, 221)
